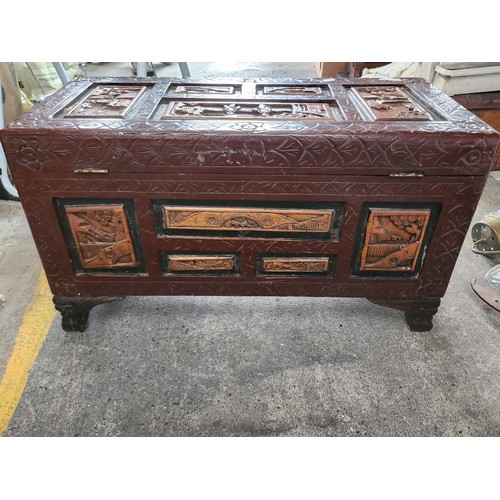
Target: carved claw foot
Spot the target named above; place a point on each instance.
(75, 310)
(418, 313)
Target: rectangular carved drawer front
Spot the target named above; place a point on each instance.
(248, 219)
(294, 265)
(393, 239)
(199, 263)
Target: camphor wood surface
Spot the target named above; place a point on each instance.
(101, 236)
(393, 239)
(295, 264)
(197, 263)
(234, 219)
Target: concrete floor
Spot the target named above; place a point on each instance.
(19, 269)
(277, 366)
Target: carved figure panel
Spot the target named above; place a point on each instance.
(390, 103)
(101, 236)
(393, 239)
(240, 110)
(314, 265)
(250, 219)
(107, 101)
(200, 263)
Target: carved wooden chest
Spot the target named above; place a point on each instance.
(360, 188)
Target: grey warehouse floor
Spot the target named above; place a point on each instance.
(275, 366)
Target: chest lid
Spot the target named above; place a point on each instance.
(246, 126)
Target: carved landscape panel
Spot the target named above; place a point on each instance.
(295, 265)
(198, 263)
(248, 219)
(101, 236)
(393, 239)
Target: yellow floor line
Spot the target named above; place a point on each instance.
(36, 323)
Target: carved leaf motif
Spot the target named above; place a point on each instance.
(349, 150)
(281, 154)
(45, 235)
(434, 155)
